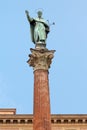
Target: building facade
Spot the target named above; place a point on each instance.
(9, 120)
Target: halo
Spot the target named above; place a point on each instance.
(39, 9)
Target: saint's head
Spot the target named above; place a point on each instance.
(39, 14)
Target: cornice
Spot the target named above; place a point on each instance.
(55, 119)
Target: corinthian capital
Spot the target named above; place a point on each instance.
(41, 59)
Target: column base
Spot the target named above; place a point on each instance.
(40, 45)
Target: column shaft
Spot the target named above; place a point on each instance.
(42, 118)
(41, 60)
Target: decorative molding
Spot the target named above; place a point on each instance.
(7, 111)
(55, 119)
(40, 58)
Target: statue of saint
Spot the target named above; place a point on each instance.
(39, 28)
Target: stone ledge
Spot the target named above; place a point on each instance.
(55, 119)
(7, 111)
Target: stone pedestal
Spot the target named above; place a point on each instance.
(40, 60)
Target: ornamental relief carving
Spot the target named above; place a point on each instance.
(40, 59)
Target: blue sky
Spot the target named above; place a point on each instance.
(68, 72)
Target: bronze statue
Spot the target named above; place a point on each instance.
(39, 28)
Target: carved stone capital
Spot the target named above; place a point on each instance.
(40, 59)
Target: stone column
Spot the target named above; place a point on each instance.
(40, 60)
